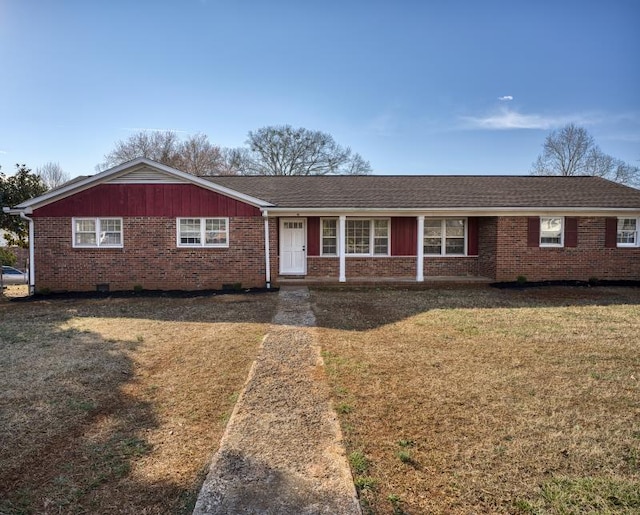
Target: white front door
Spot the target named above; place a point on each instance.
(293, 239)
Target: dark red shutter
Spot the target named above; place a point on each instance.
(610, 232)
(313, 236)
(570, 232)
(533, 234)
(472, 235)
(403, 236)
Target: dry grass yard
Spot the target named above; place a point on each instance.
(488, 401)
(117, 405)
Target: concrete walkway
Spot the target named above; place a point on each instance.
(282, 451)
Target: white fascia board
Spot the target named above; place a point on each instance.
(16, 211)
(507, 211)
(127, 167)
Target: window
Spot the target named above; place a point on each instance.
(329, 237)
(551, 231)
(203, 232)
(97, 232)
(367, 237)
(627, 232)
(445, 237)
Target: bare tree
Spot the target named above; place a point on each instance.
(196, 155)
(573, 151)
(161, 146)
(283, 150)
(52, 175)
(234, 160)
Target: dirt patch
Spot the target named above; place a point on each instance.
(116, 405)
(466, 401)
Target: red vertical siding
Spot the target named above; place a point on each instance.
(570, 231)
(533, 231)
(472, 236)
(610, 232)
(313, 236)
(147, 200)
(404, 236)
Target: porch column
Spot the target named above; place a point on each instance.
(342, 246)
(267, 254)
(420, 250)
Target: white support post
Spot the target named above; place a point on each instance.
(267, 254)
(420, 250)
(342, 247)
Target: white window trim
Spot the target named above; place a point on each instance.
(98, 221)
(443, 237)
(337, 220)
(629, 245)
(552, 245)
(202, 243)
(371, 237)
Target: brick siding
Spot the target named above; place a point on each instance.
(589, 259)
(150, 258)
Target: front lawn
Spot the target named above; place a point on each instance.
(117, 405)
(481, 401)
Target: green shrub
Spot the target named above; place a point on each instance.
(7, 257)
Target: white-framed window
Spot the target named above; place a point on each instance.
(551, 231)
(203, 232)
(627, 232)
(329, 237)
(367, 237)
(97, 232)
(445, 236)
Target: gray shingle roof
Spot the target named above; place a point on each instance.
(393, 192)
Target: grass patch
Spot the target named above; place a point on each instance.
(495, 397)
(112, 405)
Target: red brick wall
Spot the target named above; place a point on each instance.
(149, 258)
(487, 246)
(590, 259)
(380, 267)
(450, 266)
(323, 267)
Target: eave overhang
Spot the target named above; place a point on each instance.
(454, 211)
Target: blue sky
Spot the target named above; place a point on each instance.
(416, 87)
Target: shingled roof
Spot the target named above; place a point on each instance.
(415, 192)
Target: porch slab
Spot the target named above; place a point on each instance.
(376, 282)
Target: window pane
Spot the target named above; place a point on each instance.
(551, 231)
(190, 231)
(432, 245)
(110, 225)
(626, 224)
(433, 228)
(215, 231)
(627, 231)
(454, 228)
(110, 238)
(85, 231)
(329, 237)
(455, 246)
(86, 238)
(85, 226)
(381, 237)
(358, 232)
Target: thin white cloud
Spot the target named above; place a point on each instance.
(505, 98)
(508, 119)
(3, 152)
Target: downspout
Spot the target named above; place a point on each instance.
(32, 265)
(267, 255)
